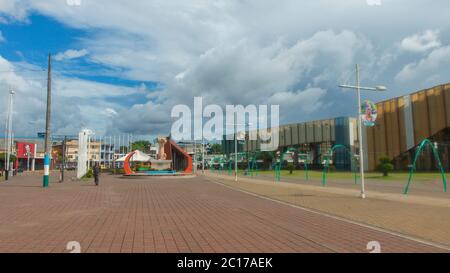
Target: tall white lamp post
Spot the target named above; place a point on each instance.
(235, 124)
(9, 134)
(358, 88)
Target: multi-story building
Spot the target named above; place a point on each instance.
(102, 153)
(402, 124)
(313, 139)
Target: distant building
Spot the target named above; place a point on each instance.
(29, 153)
(402, 124)
(102, 153)
(313, 138)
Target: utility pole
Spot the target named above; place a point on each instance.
(9, 134)
(120, 148)
(235, 149)
(129, 143)
(203, 155)
(89, 151)
(47, 124)
(114, 156)
(195, 156)
(110, 151)
(63, 167)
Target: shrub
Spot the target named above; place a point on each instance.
(290, 167)
(332, 169)
(89, 174)
(385, 166)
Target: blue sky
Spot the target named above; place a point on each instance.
(120, 66)
(31, 41)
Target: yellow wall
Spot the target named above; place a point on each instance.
(430, 112)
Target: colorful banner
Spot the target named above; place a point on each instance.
(369, 113)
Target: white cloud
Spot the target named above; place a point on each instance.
(238, 51)
(110, 112)
(2, 38)
(308, 100)
(433, 69)
(76, 103)
(71, 54)
(421, 42)
(13, 10)
(247, 73)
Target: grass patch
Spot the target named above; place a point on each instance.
(393, 176)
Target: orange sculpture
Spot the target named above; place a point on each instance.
(189, 167)
(126, 164)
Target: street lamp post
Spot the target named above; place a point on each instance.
(195, 156)
(235, 151)
(358, 88)
(235, 124)
(9, 133)
(203, 155)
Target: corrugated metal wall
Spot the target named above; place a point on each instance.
(393, 134)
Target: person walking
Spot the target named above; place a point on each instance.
(96, 173)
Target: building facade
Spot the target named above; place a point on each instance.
(100, 152)
(28, 151)
(312, 139)
(404, 122)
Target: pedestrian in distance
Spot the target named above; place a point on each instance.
(96, 173)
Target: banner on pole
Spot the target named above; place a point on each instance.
(369, 113)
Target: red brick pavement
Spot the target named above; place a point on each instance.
(170, 215)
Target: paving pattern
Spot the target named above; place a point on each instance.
(170, 215)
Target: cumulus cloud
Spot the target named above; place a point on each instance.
(247, 73)
(71, 54)
(13, 10)
(246, 52)
(77, 103)
(110, 112)
(309, 100)
(432, 69)
(421, 42)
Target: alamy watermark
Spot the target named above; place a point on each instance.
(249, 122)
(73, 247)
(374, 247)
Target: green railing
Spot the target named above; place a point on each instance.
(279, 166)
(327, 163)
(422, 146)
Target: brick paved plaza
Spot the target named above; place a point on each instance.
(170, 215)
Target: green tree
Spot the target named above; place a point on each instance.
(385, 166)
(89, 174)
(141, 145)
(266, 157)
(216, 149)
(3, 157)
